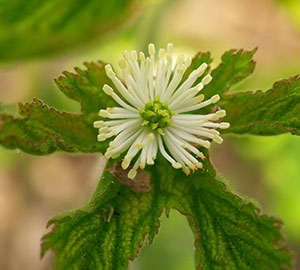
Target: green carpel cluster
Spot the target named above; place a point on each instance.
(156, 115)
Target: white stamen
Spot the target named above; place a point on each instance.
(207, 79)
(98, 124)
(143, 137)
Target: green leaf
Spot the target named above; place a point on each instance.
(273, 112)
(107, 232)
(198, 59)
(236, 65)
(42, 130)
(44, 27)
(229, 231)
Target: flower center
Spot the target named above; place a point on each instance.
(156, 115)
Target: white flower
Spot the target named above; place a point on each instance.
(153, 112)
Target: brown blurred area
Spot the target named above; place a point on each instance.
(33, 189)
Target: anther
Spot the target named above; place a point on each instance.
(201, 69)
(107, 90)
(132, 173)
(218, 139)
(181, 69)
(101, 137)
(206, 144)
(107, 155)
(150, 161)
(199, 86)
(180, 60)
(224, 125)
(148, 62)
(221, 113)
(161, 53)
(186, 170)
(125, 163)
(126, 55)
(169, 58)
(103, 113)
(207, 79)
(188, 61)
(176, 165)
(151, 49)
(104, 130)
(98, 124)
(215, 98)
(201, 155)
(200, 97)
(142, 57)
(109, 72)
(134, 55)
(122, 63)
(170, 48)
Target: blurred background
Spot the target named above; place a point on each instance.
(36, 47)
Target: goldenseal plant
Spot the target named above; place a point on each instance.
(156, 112)
(160, 110)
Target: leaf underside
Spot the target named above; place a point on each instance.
(229, 232)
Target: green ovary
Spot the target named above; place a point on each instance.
(156, 115)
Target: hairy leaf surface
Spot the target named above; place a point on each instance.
(42, 130)
(236, 65)
(273, 112)
(107, 232)
(229, 231)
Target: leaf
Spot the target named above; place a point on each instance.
(236, 65)
(229, 231)
(44, 27)
(50, 130)
(273, 112)
(42, 130)
(198, 59)
(107, 232)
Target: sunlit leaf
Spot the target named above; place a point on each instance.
(236, 65)
(198, 59)
(229, 231)
(107, 232)
(42, 130)
(273, 112)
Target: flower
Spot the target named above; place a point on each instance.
(153, 112)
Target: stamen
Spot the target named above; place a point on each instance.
(170, 48)
(142, 57)
(98, 124)
(151, 49)
(207, 79)
(150, 116)
(224, 125)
